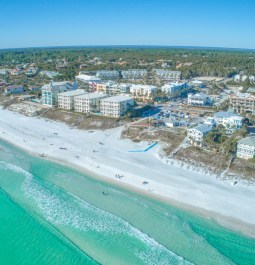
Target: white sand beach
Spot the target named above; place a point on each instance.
(104, 154)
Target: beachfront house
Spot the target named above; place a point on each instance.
(246, 148)
(143, 92)
(199, 99)
(14, 89)
(66, 99)
(196, 134)
(116, 106)
(50, 92)
(88, 103)
(228, 119)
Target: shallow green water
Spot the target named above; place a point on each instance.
(51, 214)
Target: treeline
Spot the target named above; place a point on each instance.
(192, 62)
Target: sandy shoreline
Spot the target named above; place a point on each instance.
(101, 154)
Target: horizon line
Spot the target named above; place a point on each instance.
(130, 46)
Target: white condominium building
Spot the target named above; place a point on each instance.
(143, 92)
(88, 81)
(50, 92)
(175, 89)
(66, 99)
(108, 74)
(88, 102)
(119, 89)
(199, 99)
(134, 74)
(167, 75)
(116, 106)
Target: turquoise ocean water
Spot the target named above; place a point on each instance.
(51, 214)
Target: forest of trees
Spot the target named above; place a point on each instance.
(191, 61)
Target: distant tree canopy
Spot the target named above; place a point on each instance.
(191, 61)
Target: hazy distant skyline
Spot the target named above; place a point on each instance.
(209, 23)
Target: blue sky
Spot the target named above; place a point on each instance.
(213, 23)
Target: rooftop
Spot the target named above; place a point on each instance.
(174, 84)
(73, 93)
(198, 95)
(203, 128)
(92, 95)
(243, 95)
(251, 90)
(226, 114)
(14, 86)
(250, 140)
(53, 86)
(167, 71)
(116, 99)
(197, 82)
(87, 77)
(144, 86)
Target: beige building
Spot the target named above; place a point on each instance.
(113, 88)
(104, 86)
(66, 99)
(116, 106)
(242, 103)
(143, 92)
(88, 102)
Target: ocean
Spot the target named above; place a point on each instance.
(52, 214)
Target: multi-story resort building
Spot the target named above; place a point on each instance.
(143, 92)
(88, 81)
(108, 75)
(134, 74)
(50, 92)
(66, 99)
(242, 103)
(246, 148)
(112, 88)
(199, 99)
(167, 75)
(14, 89)
(174, 90)
(116, 106)
(116, 89)
(104, 86)
(196, 134)
(88, 103)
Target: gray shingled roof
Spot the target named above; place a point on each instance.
(250, 140)
(203, 128)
